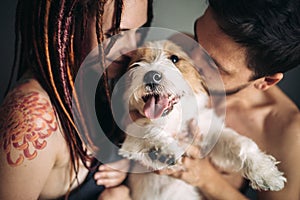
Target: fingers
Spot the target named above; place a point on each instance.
(193, 152)
(170, 172)
(109, 178)
(112, 174)
(120, 165)
(109, 167)
(108, 175)
(109, 182)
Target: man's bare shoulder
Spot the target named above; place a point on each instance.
(27, 121)
(291, 132)
(281, 140)
(285, 147)
(282, 122)
(283, 115)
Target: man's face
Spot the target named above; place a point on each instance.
(229, 57)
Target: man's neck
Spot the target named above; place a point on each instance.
(249, 97)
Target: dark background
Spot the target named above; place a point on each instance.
(7, 36)
(290, 84)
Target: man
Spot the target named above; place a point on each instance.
(253, 43)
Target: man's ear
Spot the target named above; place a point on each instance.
(268, 81)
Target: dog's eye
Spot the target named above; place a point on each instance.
(174, 58)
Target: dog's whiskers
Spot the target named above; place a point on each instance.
(154, 88)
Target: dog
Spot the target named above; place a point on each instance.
(164, 87)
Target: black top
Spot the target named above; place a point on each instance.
(88, 190)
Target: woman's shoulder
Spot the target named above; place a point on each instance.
(26, 102)
(27, 122)
(24, 89)
(32, 146)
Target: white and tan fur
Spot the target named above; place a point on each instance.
(145, 137)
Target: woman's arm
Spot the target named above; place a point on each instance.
(28, 131)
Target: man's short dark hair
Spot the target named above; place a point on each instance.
(269, 29)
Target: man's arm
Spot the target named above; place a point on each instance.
(287, 152)
(202, 174)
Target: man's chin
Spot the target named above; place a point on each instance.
(228, 92)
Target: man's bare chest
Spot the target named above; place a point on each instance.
(250, 123)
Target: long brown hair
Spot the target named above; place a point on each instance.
(50, 41)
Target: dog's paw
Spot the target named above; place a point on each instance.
(156, 154)
(264, 174)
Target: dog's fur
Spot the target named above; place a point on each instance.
(150, 140)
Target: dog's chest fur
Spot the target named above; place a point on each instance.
(162, 188)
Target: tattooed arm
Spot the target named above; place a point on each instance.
(29, 142)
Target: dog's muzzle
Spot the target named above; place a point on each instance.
(152, 80)
(158, 102)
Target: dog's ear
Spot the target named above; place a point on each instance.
(144, 53)
(134, 56)
(194, 78)
(187, 68)
(204, 88)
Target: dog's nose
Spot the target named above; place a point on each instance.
(152, 77)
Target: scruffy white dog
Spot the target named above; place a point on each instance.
(164, 87)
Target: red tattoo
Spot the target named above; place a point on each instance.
(26, 120)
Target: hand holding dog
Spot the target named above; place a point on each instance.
(112, 174)
(195, 170)
(200, 172)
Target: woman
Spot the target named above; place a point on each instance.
(42, 152)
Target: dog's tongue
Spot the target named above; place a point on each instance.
(153, 110)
